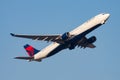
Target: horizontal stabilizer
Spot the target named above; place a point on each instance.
(24, 58)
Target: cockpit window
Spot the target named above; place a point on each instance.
(103, 13)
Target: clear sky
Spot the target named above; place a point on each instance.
(57, 17)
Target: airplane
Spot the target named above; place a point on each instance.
(68, 40)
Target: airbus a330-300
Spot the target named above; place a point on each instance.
(68, 40)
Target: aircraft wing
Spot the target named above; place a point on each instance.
(91, 46)
(83, 43)
(53, 38)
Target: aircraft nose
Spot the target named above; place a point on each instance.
(107, 15)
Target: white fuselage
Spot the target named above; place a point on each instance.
(99, 19)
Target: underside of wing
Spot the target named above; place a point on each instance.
(53, 38)
(84, 43)
(91, 46)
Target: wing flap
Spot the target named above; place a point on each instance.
(91, 46)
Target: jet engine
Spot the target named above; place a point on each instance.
(65, 36)
(91, 39)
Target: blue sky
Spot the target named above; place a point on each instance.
(57, 17)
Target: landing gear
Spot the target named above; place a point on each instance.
(71, 47)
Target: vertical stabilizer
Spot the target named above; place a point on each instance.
(30, 50)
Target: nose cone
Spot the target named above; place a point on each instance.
(107, 15)
(104, 17)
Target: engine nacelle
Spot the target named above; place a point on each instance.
(91, 39)
(65, 36)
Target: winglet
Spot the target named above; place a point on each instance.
(12, 34)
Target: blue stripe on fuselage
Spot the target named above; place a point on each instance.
(72, 41)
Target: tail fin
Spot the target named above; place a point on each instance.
(30, 50)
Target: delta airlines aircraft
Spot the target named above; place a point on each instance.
(70, 40)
